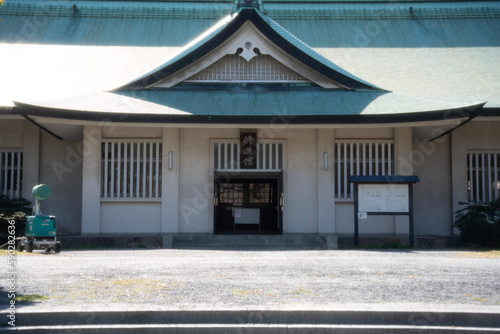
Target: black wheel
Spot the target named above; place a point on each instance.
(20, 247)
(57, 247)
(47, 250)
(29, 246)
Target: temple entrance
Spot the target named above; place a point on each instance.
(248, 203)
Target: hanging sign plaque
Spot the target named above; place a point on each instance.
(248, 150)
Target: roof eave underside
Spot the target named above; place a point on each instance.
(266, 26)
(467, 112)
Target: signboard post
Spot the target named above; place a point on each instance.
(383, 195)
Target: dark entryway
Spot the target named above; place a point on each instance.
(248, 204)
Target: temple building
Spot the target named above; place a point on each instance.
(248, 117)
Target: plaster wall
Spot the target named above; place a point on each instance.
(128, 217)
(374, 225)
(195, 179)
(483, 135)
(11, 133)
(300, 182)
(433, 207)
(112, 131)
(61, 168)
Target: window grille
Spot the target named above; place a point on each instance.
(131, 168)
(11, 173)
(269, 156)
(361, 158)
(483, 176)
(234, 68)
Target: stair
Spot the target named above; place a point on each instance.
(248, 321)
(254, 242)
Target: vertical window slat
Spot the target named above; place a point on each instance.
(131, 180)
(338, 169)
(119, 170)
(471, 178)
(276, 162)
(488, 180)
(157, 169)
(144, 165)
(389, 159)
(112, 170)
(495, 173)
(106, 169)
(360, 157)
(18, 175)
(344, 195)
(382, 160)
(125, 169)
(351, 170)
(150, 175)
(138, 171)
(264, 156)
(483, 175)
(11, 180)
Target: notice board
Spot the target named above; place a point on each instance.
(383, 198)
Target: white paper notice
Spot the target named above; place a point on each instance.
(383, 198)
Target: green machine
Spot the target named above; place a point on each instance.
(40, 229)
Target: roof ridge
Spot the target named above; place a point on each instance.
(303, 9)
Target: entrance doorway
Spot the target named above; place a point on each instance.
(248, 204)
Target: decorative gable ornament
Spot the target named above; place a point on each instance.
(247, 56)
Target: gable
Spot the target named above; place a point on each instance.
(249, 33)
(247, 56)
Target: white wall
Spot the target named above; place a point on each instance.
(195, 179)
(300, 182)
(61, 169)
(433, 195)
(128, 217)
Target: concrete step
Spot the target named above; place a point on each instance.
(288, 242)
(246, 321)
(241, 329)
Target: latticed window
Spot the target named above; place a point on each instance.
(260, 193)
(11, 173)
(483, 176)
(233, 68)
(269, 156)
(374, 157)
(131, 168)
(231, 193)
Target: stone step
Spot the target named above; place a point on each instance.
(288, 242)
(242, 329)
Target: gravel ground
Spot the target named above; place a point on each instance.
(202, 279)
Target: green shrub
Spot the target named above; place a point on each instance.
(17, 209)
(479, 223)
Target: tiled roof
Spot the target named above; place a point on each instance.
(439, 51)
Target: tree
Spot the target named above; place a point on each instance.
(479, 223)
(17, 209)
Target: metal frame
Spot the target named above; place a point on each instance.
(387, 179)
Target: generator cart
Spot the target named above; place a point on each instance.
(40, 229)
